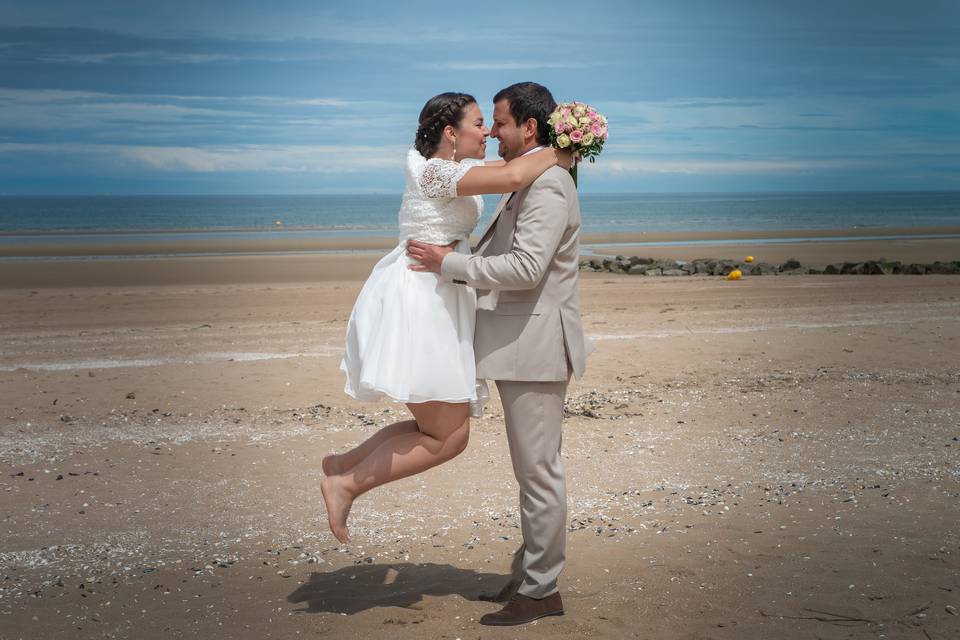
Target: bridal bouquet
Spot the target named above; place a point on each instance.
(580, 128)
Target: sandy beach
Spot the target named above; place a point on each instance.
(105, 262)
(187, 242)
(777, 457)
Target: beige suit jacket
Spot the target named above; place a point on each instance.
(525, 270)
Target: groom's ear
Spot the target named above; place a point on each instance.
(529, 128)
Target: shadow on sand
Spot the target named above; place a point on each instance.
(403, 584)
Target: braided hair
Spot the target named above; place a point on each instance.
(440, 111)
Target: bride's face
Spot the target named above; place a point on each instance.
(472, 134)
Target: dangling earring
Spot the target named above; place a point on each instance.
(453, 156)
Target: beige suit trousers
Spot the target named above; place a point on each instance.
(533, 412)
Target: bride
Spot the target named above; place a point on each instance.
(410, 334)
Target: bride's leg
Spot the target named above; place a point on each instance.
(336, 463)
(443, 432)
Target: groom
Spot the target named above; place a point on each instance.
(529, 339)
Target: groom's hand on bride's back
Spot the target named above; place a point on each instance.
(429, 256)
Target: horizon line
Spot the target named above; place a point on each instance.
(400, 193)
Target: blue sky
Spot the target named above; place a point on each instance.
(322, 97)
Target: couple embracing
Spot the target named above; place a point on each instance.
(434, 321)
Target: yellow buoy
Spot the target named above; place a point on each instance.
(748, 259)
(279, 223)
(736, 274)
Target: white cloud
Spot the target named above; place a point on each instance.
(168, 57)
(285, 159)
(57, 95)
(48, 95)
(114, 117)
(499, 66)
(726, 167)
(319, 102)
(414, 30)
(129, 118)
(330, 159)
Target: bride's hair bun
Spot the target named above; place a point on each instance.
(440, 111)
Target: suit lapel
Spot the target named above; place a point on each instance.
(496, 216)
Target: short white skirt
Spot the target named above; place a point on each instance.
(410, 337)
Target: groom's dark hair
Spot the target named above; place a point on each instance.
(530, 100)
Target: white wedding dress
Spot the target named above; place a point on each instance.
(410, 334)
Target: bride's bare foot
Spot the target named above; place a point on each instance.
(338, 503)
(331, 465)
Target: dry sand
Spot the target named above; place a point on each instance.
(770, 458)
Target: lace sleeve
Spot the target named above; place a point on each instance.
(439, 177)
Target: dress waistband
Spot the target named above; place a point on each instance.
(437, 240)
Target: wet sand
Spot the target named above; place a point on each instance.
(330, 260)
(196, 242)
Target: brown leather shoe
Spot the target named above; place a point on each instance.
(523, 609)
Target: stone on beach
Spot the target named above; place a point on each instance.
(635, 265)
(790, 265)
(763, 269)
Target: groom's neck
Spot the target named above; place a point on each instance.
(530, 146)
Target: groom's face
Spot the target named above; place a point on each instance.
(505, 130)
